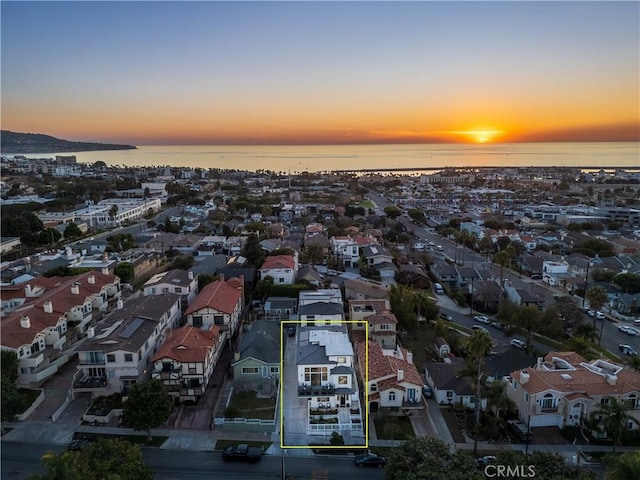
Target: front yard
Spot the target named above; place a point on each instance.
(246, 404)
(393, 428)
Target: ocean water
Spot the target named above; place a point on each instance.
(315, 158)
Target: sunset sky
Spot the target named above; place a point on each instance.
(153, 73)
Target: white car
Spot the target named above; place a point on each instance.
(627, 349)
(481, 319)
(600, 316)
(479, 327)
(518, 344)
(628, 330)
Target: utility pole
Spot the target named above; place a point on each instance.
(586, 280)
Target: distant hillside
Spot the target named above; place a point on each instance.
(14, 142)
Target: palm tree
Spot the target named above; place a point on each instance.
(597, 298)
(503, 258)
(422, 301)
(634, 363)
(59, 467)
(615, 417)
(478, 346)
(497, 399)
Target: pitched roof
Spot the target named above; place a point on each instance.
(278, 261)
(584, 377)
(219, 295)
(189, 344)
(445, 377)
(387, 363)
(261, 341)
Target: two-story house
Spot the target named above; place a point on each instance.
(563, 389)
(186, 361)
(282, 268)
(346, 249)
(382, 328)
(325, 367)
(316, 307)
(381, 259)
(177, 281)
(118, 350)
(392, 380)
(219, 303)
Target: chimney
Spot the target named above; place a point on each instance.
(612, 379)
(400, 375)
(91, 332)
(27, 290)
(236, 356)
(48, 307)
(539, 363)
(190, 274)
(25, 322)
(105, 270)
(524, 377)
(410, 357)
(91, 279)
(119, 304)
(105, 257)
(221, 277)
(75, 289)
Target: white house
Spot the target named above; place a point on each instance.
(393, 380)
(324, 360)
(118, 351)
(553, 271)
(177, 281)
(282, 268)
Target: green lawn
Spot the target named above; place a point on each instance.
(404, 428)
(222, 444)
(246, 404)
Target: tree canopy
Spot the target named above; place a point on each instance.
(103, 459)
(147, 406)
(421, 458)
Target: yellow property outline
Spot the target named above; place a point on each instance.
(366, 375)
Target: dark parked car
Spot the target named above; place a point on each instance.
(370, 460)
(242, 453)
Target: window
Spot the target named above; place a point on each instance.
(343, 380)
(449, 394)
(526, 397)
(218, 319)
(178, 289)
(281, 280)
(274, 370)
(111, 358)
(197, 320)
(342, 359)
(316, 375)
(128, 357)
(548, 402)
(384, 326)
(392, 396)
(374, 387)
(250, 370)
(604, 401)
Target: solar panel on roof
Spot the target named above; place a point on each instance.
(132, 327)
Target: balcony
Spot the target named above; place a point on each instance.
(32, 361)
(316, 390)
(415, 404)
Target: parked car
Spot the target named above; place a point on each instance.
(518, 344)
(628, 330)
(600, 316)
(481, 319)
(627, 349)
(520, 430)
(446, 316)
(479, 327)
(291, 331)
(426, 391)
(369, 459)
(242, 453)
(486, 460)
(497, 325)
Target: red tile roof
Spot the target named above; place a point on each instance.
(14, 335)
(219, 295)
(189, 344)
(278, 261)
(381, 365)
